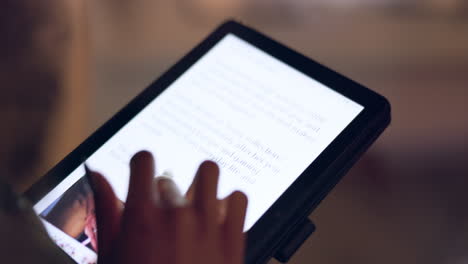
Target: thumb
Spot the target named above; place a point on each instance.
(108, 214)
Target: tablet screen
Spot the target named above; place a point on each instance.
(261, 120)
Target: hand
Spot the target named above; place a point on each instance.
(90, 230)
(159, 226)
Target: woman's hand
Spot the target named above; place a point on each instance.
(91, 229)
(159, 226)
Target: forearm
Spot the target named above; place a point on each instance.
(23, 239)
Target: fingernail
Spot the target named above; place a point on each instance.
(168, 187)
(165, 186)
(170, 194)
(10, 202)
(167, 174)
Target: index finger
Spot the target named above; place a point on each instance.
(233, 235)
(205, 200)
(142, 171)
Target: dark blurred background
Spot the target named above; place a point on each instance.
(405, 202)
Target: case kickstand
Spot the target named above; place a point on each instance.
(294, 240)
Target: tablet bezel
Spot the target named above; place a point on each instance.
(299, 198)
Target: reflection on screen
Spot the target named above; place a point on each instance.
(262, 121)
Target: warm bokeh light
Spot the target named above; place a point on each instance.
(405, 202)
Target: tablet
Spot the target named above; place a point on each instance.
(283, 129)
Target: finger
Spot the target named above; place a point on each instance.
(138, 217)
(222, 210)
(205, 200)
(191, 192)
(233, 235)
(142, 171)
(168, 193)
(185, 235)
(108, 213)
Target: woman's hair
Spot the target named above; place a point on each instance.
(33, 36)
